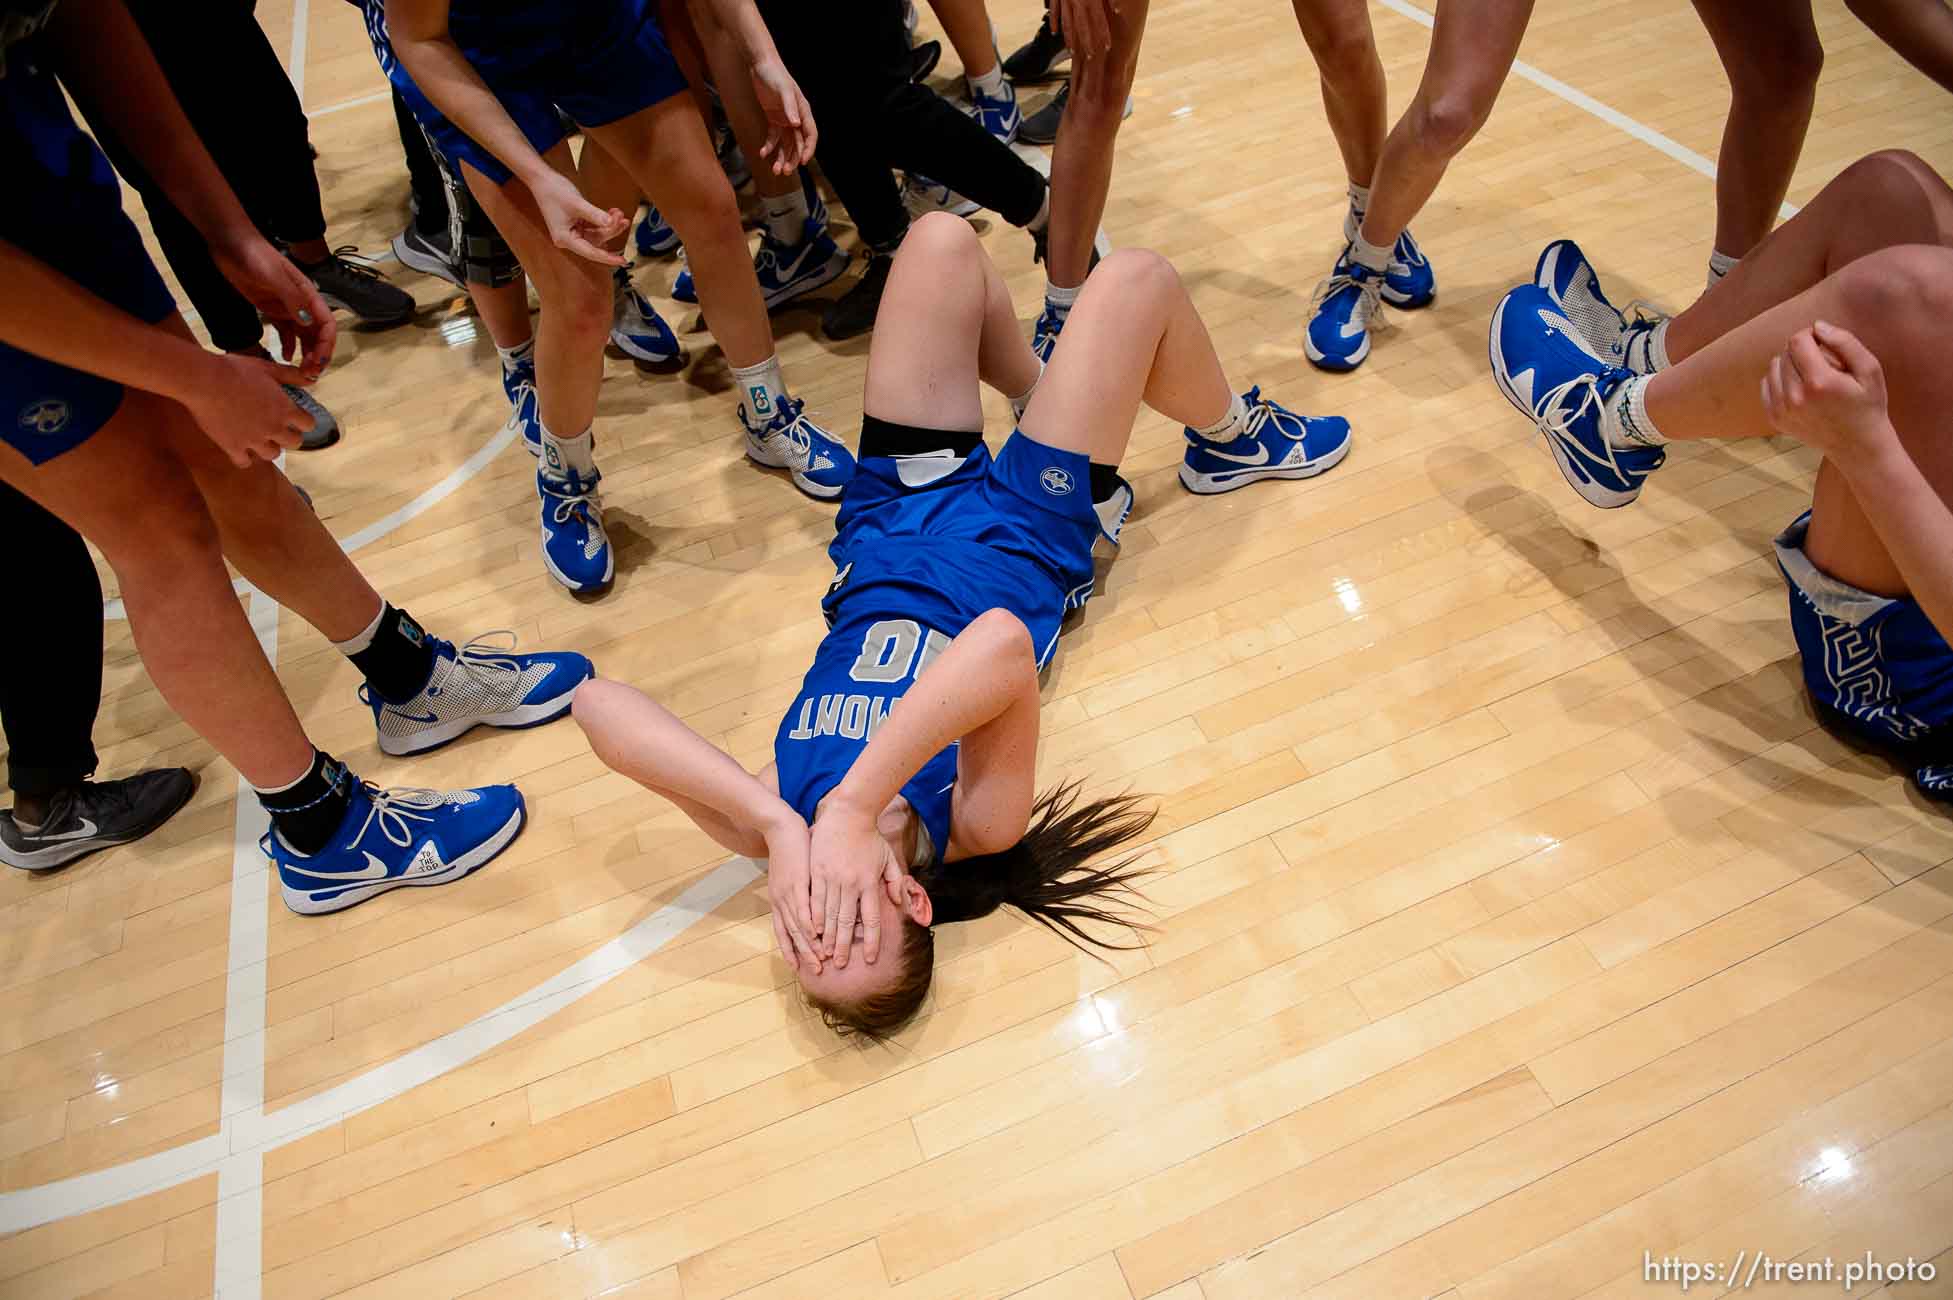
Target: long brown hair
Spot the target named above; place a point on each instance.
(1044, 875)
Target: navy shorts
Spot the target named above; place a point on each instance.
(1875, 665)
(68, 214)
(597, 60)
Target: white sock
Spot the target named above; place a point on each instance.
(1720, 264)
(991, 84)
(1022, 400)
(515, 356)
(1647, 352)
(1364, 253)
(786, 216)
(1359, 203)
(354, 645)
(563, 456)
(1624, 420)
(1229, 426)
(1059, 301)
(761, 390)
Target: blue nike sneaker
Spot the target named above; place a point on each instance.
(820, 465)
(391, 838)
(655, 237)
(786, 271)
(482, 683)
(998, 115)
(1540, 364)
(637, 329)
(682, 288)
(1408, 281)
(519, 386)
(1619, 338)
(1278, 443)
(575, 549)
(1338, 337)
(1044, 335)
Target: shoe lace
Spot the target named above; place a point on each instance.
(348, 260)
(573, 496)
(1260, 412)
(392, 811)
(1642, 312)
(1369, 300)
(489, 659)
(1556, 412)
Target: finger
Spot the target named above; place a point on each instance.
(844, 931)
(831, 924)
(577, 243)
(871, 927)
(1857, 359)
(781, 937)
(1808, 362)
(1776, 380)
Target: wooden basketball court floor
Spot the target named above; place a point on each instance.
(1517, 927)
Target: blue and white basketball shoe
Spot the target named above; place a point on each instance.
(999, 115)
(820, 465)
(479, 684)
(1044, 335)
(1542, 367)
(655, 237)
(683, 289)
(1278, 443)
(1408, 281)
(1620, 338)
(637, 329)
(786, 271)
(519, 386)
(393, 838)
(1346, 304)
(921, 196)
(575, 549)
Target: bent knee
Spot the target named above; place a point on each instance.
(1893, 177)
(940, 234)
(1902, 289)
(1445, 123)
(1779, 62)
(1138, 270)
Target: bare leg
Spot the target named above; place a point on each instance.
(576, 296)
(1472, 49)
(1354, 97)
(967, 24)
(735, 85)
(1887, 198)
(1081, 161)
(504, 311)
(669, 156)
(126, 490)
(1771, 55)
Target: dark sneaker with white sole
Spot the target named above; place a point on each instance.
(95, 815)
(352, 286)
(325, 426)
(428, 254)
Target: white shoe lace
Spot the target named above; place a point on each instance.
(391, 810)
(1552, 414)
(1369, 311)
(489, 661)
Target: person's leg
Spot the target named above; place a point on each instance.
(1354, 96)
(1772, 56)
(731, 78)
(967, 24)
(924, 133)
(1472, 49)
(426, 181)
(636, 329)
(51, 684)
(1081, 161)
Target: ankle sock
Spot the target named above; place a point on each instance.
(1359, 198)
(761, 391)
(1364, 253)
(1105, 482)
(1022, 400)
(393, 654)
(1720, 264)
(786, 215)
(307, 812)
(564, 456)
(1624, 420)
(1647, 352)
(991, 84)
(1229, 426)
(515, 356)
(1058, 301)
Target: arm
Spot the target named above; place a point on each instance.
(419, 31)
(983, 689)
(1919, 31)
(635, 735)
(237, 400)
(106, 65)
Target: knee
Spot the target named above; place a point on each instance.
(1138, 274)
(173, 531)
(1446, 122)
(1879, 181)
(1898, 292)
(1347, 59)
(1780, 64)
(704, 210)
(939, 235)
(584, 297)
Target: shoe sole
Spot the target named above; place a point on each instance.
(1208, 485)
(584, 589)
(1341, 365)
(835, 268)
(1606, 498)
(60, 855)
(622, 342)
(405, 254)
(340, 304)
(520, 718)
(302, 902)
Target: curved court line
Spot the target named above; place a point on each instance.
(252, 1132)
(406, 514)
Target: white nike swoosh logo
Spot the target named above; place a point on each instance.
(1259, 458)
(87, 830)
(373, 870)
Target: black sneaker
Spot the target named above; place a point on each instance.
(352, 286)
(96, 815)
(428, 254)
(1041, 127)
(923, 59)
(1037, 59)
(853, 312)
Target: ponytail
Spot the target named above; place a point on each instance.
(1044, 875)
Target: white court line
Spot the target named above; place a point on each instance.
(235, 1153)
(344, 104)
